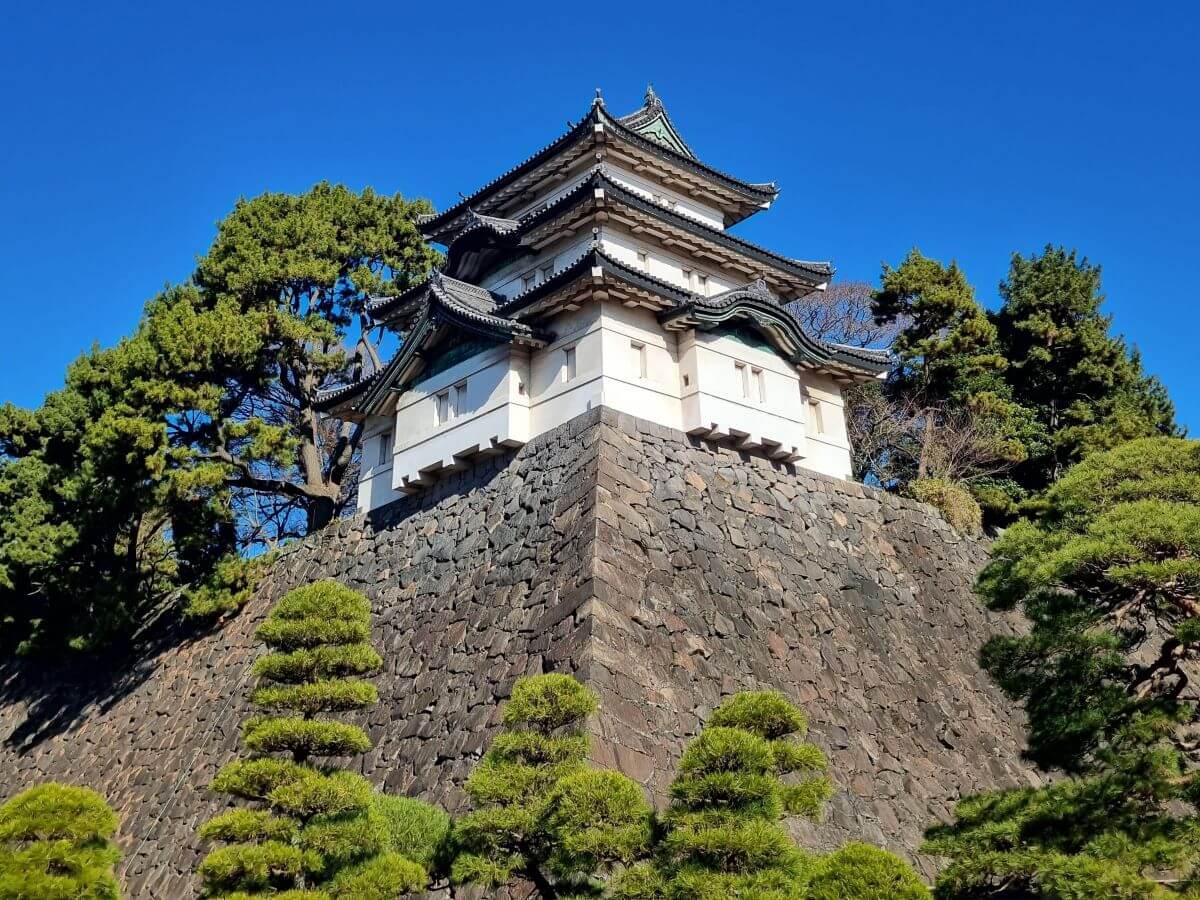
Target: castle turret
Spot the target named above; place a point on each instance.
(600, 272)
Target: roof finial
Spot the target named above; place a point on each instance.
(599, 101)
(651, 97)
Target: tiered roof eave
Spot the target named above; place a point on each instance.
(739, 199)
(599, 198)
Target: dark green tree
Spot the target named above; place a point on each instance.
(541, 813)
(93, 513)
(56, 844)
(243, 353)
(946, 340)
(722, 836)
(1108, 574)
(312, 828)
(197, 438)
(949, 414)
(1086, 389)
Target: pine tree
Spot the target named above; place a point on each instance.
(951, 415)
(722, 835)
(314, 830)
(946, 339)
(56, 844)
(1108, 574)
(1085, 387)
(541, 813)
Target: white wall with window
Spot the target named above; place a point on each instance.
(672, 268)
(375, 470)
(730, 387)
(825, 425)
(480, 404)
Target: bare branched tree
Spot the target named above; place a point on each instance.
(897, 440)
(842, 314)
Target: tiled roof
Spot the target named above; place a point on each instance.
(755, 301)
(817, 271)
(652, 119)
(760, 192)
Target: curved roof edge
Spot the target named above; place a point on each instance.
(760, 192)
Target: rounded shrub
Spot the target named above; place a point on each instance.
(952, 500)
(864, 873)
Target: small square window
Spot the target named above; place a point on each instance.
(568, 367)
(639, 358)
(384, 450)
(547, 270)
(528, 280)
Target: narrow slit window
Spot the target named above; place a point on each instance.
(639, 358)
(742, 373)
(568, 368)
(385, 449)
(702, 284)
(460, 399)
(815, 418)
(441, 408)
(760, 385)
(687, 278)
(643, 260)
(547, 270)
(528, 280)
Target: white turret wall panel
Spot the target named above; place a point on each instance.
(479, 405)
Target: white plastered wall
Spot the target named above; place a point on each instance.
(746, 393)
(487, 405)
(828, 444)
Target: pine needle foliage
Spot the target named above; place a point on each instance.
(56, 844)
(722, 835)
(541, 813)
(1108, 576)
(316, 832)
(863, 872)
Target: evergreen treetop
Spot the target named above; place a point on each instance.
(1085, 387)
(317, 831)
(56, 844)
(541, 813)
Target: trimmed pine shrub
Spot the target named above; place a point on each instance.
(315, 831)
(541, 813)
(56, 844)
(722, 836)
(864, 872)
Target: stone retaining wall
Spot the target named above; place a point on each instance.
(665, 572)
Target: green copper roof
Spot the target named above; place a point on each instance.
(652, 121)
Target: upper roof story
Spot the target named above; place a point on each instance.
(617, 208)
(645, 142)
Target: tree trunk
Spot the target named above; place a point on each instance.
(320, 512)
(544, 888)
(926, 443)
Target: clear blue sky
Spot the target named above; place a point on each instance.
(968, 129)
